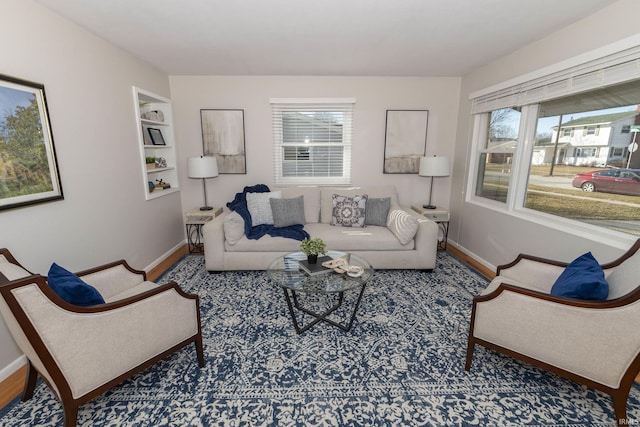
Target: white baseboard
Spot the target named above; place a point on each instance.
(164, 256)
(12, 367)
(475, 256)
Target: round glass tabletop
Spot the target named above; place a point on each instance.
(286, 272)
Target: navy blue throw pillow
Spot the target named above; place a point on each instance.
(583, 279)
(71, 288)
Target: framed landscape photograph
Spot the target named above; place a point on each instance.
(405, 140)
(28, 166)
(223, 137)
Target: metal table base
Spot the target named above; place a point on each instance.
(292, 302)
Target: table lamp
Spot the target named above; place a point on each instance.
(203, 167)
(433, 167)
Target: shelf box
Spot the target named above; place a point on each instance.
(146, 101)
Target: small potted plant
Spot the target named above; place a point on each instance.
(151, 162)
(312, 248)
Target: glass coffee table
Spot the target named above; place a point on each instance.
(285, 272)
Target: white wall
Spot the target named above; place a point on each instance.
(104, 215)
(374, 95)
(496, 237)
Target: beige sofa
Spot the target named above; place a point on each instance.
(227, 248)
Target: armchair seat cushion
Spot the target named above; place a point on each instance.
(583, 278)
(133, 291)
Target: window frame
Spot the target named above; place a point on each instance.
(608, 65)
(518, 182)
(347, 105)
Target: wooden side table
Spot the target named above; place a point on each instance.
(441, 217)
(194, 220)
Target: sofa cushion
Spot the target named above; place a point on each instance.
(349, 211)
(326, 197)
(311, 200)
(260, 208)
(287, 212)
(233, 228)
(71, 288)
(377, 211)
(403, 225)
(583, 278)
(372, 238)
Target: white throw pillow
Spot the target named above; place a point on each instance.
(403, 225)
(233, 228)
(260, 207)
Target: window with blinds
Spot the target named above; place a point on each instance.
(540, 147)
(312, 141)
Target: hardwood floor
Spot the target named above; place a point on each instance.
(480, 268)
(12, 386)
(157, 271)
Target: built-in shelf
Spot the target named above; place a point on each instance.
(144, 102)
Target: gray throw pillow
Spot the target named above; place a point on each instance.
(377, 210)
(287, 212)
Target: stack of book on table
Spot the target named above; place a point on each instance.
(317, 268)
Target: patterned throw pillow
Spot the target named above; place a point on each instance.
(349, 211)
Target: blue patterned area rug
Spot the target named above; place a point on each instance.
(402, 364)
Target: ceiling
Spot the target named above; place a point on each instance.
(322, 37)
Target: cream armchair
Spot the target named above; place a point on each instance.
(596, 343)
(83, 351)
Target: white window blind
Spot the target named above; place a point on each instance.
(609, 70)
(312, 140)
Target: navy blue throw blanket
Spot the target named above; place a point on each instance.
(239, 205)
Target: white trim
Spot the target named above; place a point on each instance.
(475, 257)
(164, 256)
(12, 367)
(593, 55)
(587, 231)
(312, 100)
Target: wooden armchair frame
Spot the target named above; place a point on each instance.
(42, 361)
(620, 393)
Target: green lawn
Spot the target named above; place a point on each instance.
(573, 208)
(557, 201)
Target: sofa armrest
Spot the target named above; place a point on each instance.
(570, 334)
(425, 240)
(91, 346)
(213, 237)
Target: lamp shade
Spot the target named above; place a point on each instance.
(434, 166)
(202, 167)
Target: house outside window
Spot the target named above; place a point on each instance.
(312, 141)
